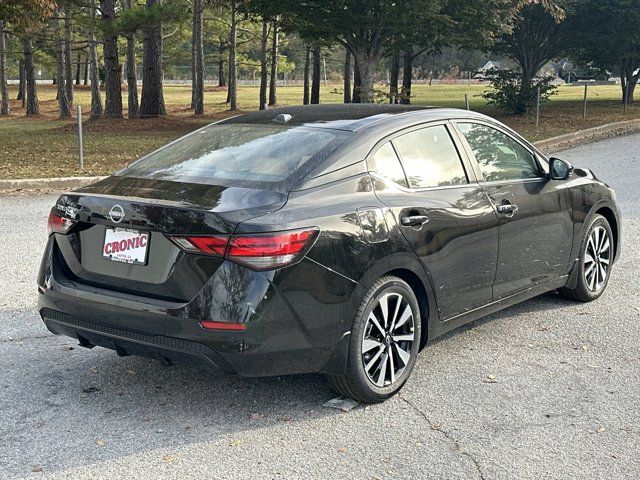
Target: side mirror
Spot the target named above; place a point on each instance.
(559, 169)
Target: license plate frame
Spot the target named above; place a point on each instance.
(134, 253)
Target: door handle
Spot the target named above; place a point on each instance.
(507, 208)
(413, 220)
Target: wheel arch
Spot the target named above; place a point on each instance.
(611, 217)
(420, 292)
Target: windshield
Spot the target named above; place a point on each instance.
(242, 154)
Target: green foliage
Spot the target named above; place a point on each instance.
(605, 33)
(510, 93)
(140, 16)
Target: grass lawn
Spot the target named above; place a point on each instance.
(47, 147)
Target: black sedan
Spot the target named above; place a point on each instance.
(333, 239)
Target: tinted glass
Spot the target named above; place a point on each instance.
(386, 163)
(500, 157)
(430, 158)
(245, 153)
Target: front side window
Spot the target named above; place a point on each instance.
(499, 156)
(430, 158)
(386, 163)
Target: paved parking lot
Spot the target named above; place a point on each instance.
(545, 389)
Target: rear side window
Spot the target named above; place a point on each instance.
(386, 163)
(499, 156)
(430, 158)
(243, 154)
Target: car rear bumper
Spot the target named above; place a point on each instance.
(291, 327)
(167, 350)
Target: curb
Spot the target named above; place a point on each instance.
(549, 145)
(58, 184)
(588, 135)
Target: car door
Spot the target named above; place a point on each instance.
(442, 211)
(536, 226)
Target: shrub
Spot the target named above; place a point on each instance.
(509, 92)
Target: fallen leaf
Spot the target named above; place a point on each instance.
(235, 443)
(543, 328)
(37, 469)
(600, 429)
(100, 442)
(342, 450)
(490, 379)
(170, 458)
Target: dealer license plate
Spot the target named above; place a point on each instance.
(124, 245)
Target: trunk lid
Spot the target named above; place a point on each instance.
(154, 209)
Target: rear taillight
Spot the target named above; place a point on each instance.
(233, 326)
(264, 251)
(59, 224)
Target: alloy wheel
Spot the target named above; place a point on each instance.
(388, 339)
(597, 259)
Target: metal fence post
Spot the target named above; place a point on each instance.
(466, 101)
(538, 108)
(80, 147)
(584, 106)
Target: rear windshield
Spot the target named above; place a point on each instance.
(240, 154)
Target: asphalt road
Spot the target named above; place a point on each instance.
(546, 389)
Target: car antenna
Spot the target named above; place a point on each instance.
(282, 118)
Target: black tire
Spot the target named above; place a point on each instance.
(583, 292)
(356, 383)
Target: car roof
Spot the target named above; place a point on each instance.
(350, 117)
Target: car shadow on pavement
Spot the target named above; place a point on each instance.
(548, 301)
(63, 406)
(99, 407)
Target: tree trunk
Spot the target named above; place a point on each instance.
(112, 78)
(198, 87)
(628, 81)
(367, 64)
(132, 79)
(347, 76)
(68, 62)
(315, 76)
(85, 80)
(21, 83)
(407, 73)
(355, 98)
(526, 84)
(305, 80)
(274, 64)
(78, 69)
(263, 64)
(152, 102)
(4, 94)
(96, 100)
(222, 81)
(394, 74)
(233, 75)
(63, 100)
(193, 57)
(30, 78)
